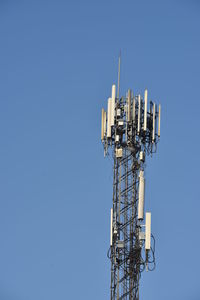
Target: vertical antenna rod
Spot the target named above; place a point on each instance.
(119, 65)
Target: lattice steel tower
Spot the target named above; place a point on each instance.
(130, 131)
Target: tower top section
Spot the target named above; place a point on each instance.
(131, 121)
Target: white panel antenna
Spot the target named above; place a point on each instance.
(145, 109)
(129, 106)
(133, 111)
(141, 196)
(113, 105)
(148, 231)
(102, 124)
(109, 118)
(159, 116)
(104, 127)
(139, 112)
(154, 123)
(111, 227)
(142, 157)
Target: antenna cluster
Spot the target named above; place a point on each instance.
(129, 121)
(130, 130)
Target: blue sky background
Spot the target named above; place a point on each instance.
(58, 60)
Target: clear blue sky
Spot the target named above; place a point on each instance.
(58, 60)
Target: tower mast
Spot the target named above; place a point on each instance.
(130, 133)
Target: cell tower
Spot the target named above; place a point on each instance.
(130, 131)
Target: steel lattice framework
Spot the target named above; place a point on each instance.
(129, 133)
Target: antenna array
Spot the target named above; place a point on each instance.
(130, 130)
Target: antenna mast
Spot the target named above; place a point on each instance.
(130, 132)
(119, 65)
